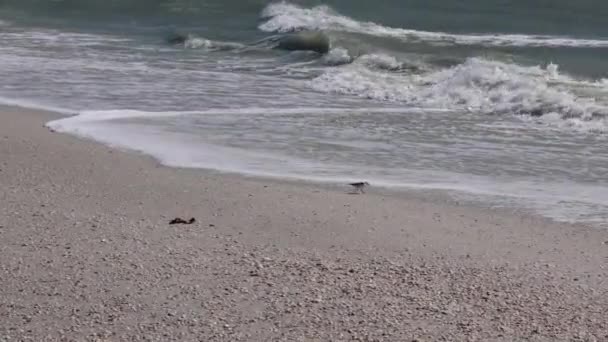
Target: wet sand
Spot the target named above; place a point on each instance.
(87, 254)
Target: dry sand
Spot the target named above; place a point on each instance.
(87, 254)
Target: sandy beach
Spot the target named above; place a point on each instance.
(87, 254)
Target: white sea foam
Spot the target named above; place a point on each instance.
(337, 56)
(197, 43)
(478, 85)
(286, 17)
(560, 200)
(381, 61)
(92, 116)
(180, 149)
(193, 42)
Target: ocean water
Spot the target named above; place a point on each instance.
(503, 103)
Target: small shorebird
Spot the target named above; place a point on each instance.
(359, 186)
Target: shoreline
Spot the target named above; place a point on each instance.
(449, 196)
(88, 253)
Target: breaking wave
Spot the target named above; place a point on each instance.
(477, 85)
(202, 43)
(286, 17)
(195, 42)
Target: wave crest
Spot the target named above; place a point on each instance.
(286, 17)
(477, 85)
(194, 42)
